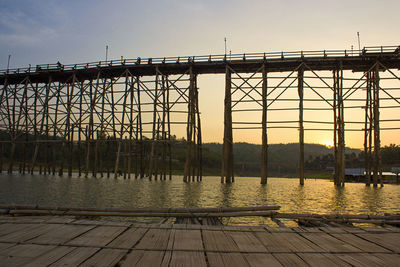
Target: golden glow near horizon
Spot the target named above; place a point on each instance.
(211, 97)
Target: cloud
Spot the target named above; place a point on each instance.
(23, 27)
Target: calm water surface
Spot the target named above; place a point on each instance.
(317, 196)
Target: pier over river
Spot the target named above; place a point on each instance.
(132, 107)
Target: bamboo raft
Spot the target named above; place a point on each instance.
(70, 241)
(210, 216)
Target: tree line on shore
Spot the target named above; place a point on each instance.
(282, 158)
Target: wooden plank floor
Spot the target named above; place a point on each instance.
(66, 241)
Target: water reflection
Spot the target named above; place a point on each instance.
(339, 201)
(317, 196)
(226, 195)
(373, 198)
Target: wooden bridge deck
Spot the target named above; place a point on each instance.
(56, 241)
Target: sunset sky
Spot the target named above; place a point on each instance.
(73, 31)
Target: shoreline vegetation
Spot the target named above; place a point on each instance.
(282, 158)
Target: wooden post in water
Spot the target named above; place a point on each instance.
(71, 149)
(2, 142)
(227, 151)
(153, 139)
(139, 133)
(377, 175)
(163, 174)
(301, 127)
(87, 151)
(25, 98)
(335, 131)
(121, 133)
(368, 129)
(339, 127)
(340, 121)
(11, 120)
(199, 140)
(131, 93)
(189, 129)
(264, 137)
(169, 129)
(55, 143)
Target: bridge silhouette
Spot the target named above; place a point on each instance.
(134, 105)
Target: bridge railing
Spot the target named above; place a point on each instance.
(56, 67)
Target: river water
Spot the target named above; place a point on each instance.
(316, 196)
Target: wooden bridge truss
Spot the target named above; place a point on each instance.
(73, 116)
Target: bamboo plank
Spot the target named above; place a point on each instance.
(390, 241)
(329, 243)
(247, 242)
(317, 259)
(29, 232)
(290, 259)
(287, 242)
(226, 259)
(61, 234)
(76, 257)
(155, 239)
(388, 259)
(61, 219)
(8, 228)
(364, 259)
(105, 257)
(140, 258)
(360, 243)
(22, 253)
(148, 210)
(272, 242)
(262, 260)
(188, 240)
(99, 236)
(5, 246)
(51, 256)
(218, 241)
(128, 239)
(186, 258)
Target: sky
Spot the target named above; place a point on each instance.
(73, 31)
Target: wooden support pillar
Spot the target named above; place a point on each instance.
(55, 144)
(139, 133)
(35, 128)
(339, 127)
(71, 150)
(169, 130)
(26, 126)
(189, 129)
(227, 151)
(1, 156)
(12, 127)
(121, 133)
(131, 93)
(153, 139)
(4, 89)
(377, 175)
(163, 130)
(335, 131)
(87, 151)
(301, 127)
(368, 129)
(199, 140)
(264, 137)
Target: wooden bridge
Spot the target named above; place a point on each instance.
(80, 116)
